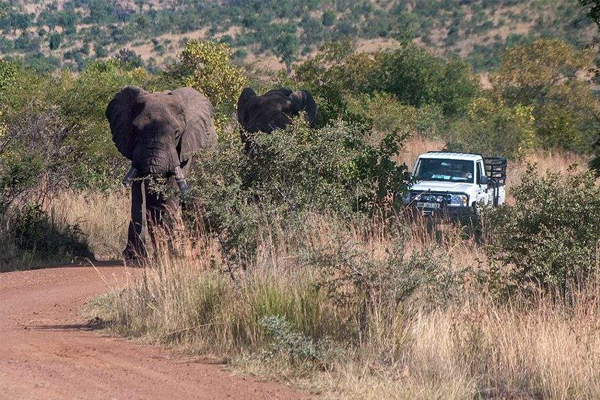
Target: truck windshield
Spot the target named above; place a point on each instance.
(432, 169)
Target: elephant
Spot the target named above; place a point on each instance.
(158, 133)
(273, 110)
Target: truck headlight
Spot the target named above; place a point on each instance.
(458, 200)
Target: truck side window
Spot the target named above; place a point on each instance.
(479, 172)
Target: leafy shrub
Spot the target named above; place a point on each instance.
(30, 237)
(551, 77)
(36, 232)
(294, 346)
(354, 276)
(333, 169)
(409, 74)
(550, 237)
(492, 128)
(207, 67)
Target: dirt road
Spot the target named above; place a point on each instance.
(47, 351)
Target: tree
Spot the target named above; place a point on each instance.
(328, 18)
(414, 76)
(593, 7)
(16, 21)
(550, 236)
(286, 47)
(493, 128)
(140, 4)
(7, 74)
(554, 78)
(56, 40)
(129, 57)
(207, 67)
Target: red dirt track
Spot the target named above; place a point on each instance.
(48, 351)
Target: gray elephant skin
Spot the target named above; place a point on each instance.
(158, 133)
(273, 110)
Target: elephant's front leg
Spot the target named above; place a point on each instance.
(135, 243)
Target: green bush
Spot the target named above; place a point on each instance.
(30, 238)
(410, 74)
(494, 129)
(293, 346)
(295, 171)
(550, 237)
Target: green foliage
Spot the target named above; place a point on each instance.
(56, 40)
(30, 238)
(286, 47)
(352, 277)
(333, 169)
(593, 9)
(69, 111)
(7, 74)
(35, 232)
(410, 74)
(54, 136)
(383, 113)
(328, 18)
(550, 236)
(294, 346)
(417, 77)
(129, 58)
(493, 128)
(207, 67)
(553, 78)
(595, 161)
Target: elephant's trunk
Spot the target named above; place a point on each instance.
(180, 179)
(131, 175)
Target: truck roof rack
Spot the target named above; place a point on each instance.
(495, 169)
(454, 152)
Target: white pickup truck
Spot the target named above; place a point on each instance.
(454, 184)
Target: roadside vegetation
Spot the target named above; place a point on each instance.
(299, 264)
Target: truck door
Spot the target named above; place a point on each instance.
(483, 197)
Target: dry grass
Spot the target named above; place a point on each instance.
(417, 145)
(546, 160)
(102, 217)
(469, 347)
(477, 350)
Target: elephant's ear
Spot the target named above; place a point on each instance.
(198, 112)
(119, 113)
(247, 94)
(303, 101)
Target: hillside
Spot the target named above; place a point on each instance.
(51, 34)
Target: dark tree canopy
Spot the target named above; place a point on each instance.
(593, 7)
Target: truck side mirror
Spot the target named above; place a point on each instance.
(483, 180)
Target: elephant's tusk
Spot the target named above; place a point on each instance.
(131, 175)
(180, 179)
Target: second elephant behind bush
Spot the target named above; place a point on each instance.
(273, 110)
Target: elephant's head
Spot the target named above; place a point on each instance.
(274, 109)
(159, 132)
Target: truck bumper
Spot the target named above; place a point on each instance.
(451, 213)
